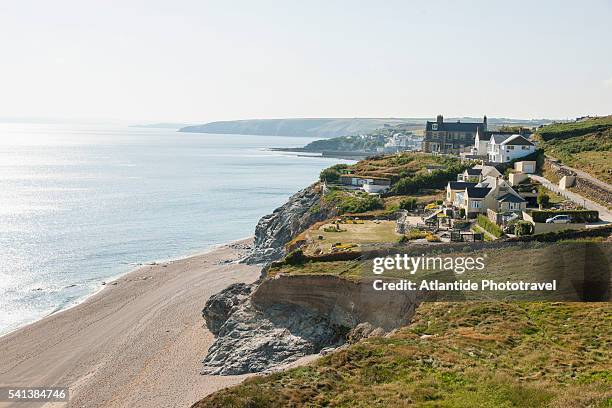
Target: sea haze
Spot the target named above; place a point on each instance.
(81, 205)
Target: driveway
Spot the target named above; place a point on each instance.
(604, 214)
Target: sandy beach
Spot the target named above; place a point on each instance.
(136, 343)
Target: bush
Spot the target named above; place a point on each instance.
(462, 212)
(543, 199)
(416, 234)
(354, 203)
(522, 228)
(295, 257)
(489, 226)
(436, 179)
(432, 238)
(408, 203)
(577, 215)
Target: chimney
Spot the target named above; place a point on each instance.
(485, 122)
(440, 119)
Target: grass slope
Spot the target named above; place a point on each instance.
(586, 145)
(456, 355)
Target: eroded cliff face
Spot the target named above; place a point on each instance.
(288, 317)
(275, 230)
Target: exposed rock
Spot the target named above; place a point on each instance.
(252, 340)
(275, 230)
(288, 317)
(221, 305)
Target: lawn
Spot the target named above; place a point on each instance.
(362, 232)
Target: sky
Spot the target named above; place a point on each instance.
(199, 61)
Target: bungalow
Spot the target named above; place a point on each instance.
(454, 187)
(503, 148)
(367, 183)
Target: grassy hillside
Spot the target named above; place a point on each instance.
(324, 127)
(586, 145)
(456, 355)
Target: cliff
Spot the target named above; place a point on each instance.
(288, 317)
(275, 230)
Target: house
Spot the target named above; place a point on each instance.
(527, 167)
(367, 183)
(482, 140)
(472, 200)
(477, 173)
(470, 175)
(400, 142)
(492, 193)
(503, 148)
(454, 187)
(502, 197)
(450, 137)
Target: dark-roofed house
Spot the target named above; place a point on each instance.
(472, 200)
(470, 175)
(453, 187)
(504, 148)
(450, 137)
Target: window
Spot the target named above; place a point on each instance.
(434, 126)
(476, 204)
(526, 147)
(507, 158)
(510, 147)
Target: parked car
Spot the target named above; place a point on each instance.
(559, 219)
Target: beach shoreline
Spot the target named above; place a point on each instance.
(137, 342)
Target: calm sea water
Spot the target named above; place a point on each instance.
(81, 205)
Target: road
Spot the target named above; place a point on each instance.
(604, 214)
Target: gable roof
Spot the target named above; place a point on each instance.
(477, 192)
(517, 140)
(486, 134)
(459, 185)
(510, 198)
(455, 126)
(473, 172)
(500, 137)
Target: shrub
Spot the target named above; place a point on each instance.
(408, 203)
(436, 179)
(522, 228)
(543, 199)
(329, 175)
(432, 238)
(416, 234)
(489, 226)
(354, 203)
(462, 212)
(295, 257)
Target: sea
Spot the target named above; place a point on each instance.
(82, 204)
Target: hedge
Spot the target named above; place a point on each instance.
(489, 226)
(577, 215)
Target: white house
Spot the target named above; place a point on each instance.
(478, 173)
(503, 148)
(482, 140)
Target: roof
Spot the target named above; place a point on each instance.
(477, 192)
(460, 185)
(517, 140)
(455, 126)
(486, 135)
(500, 137)
(473, 172)
(510, 198)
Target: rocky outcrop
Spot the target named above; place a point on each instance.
(275, 230)
(222, 305)
(288, 317)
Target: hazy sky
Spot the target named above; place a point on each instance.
(198, 61)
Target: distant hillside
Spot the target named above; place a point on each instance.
(583, 144)
(329, 127)
(324, 128)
